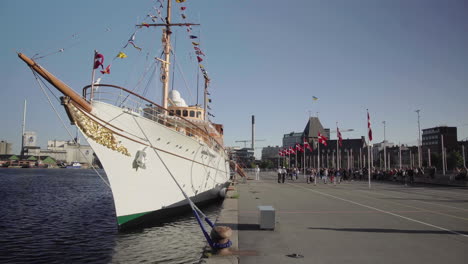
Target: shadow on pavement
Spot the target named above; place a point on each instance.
(387, 230)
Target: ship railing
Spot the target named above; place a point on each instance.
(136, 104)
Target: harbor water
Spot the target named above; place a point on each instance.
(67, 216)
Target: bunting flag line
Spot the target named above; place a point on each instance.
(121, 55)
(204, 72)
(98, 61)
(193, 37)
(314, 98)
(322, 139)
(182, 8)
(199, 59)
(135, 46)
(369, 126)
(340, 139)
(106, 70)
(183, 16)
(153, 18)
(180, 1)
(195, 43)
(131, 41)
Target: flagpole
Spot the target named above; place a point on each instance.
(304, 160)
(318, 155)
(296, 159)
(368, 148)
(443, 155)
(429, 156)
(337, 139)
(360, 157)
(400, 153)
(368, 167)
(93, 74)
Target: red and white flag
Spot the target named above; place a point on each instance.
(307, 146)
(322, 139)
(291, 150)
(368, 126)
(280, 152)
(340, 139)
(299, 147)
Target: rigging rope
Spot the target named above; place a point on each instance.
(183, 77)
(197, 212)
(39, 80)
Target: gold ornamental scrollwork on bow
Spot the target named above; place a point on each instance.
(96, 131)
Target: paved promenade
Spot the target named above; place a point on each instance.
(350, 223)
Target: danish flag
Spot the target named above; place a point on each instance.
(368, 126)
(322, 139)
(291, 150)
(299, 147)
(340, 139)
(306, 145)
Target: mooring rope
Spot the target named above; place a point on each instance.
(66, 128)
(195, 209)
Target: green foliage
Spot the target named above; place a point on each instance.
(266, 164)
(454, 160)
(436, 160)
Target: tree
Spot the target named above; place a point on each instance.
(266, 164)
(436, 160)
(454, 160)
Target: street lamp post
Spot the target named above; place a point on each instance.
(419, 140)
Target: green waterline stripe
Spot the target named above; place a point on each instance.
(125, 218)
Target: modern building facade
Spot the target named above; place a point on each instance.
(432, 139)
(271, 153)
(291, 139)
(244, 156)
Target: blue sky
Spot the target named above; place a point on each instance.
(265, 58)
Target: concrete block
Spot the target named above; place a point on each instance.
(266, 217)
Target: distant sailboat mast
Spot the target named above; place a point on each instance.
(23, 130)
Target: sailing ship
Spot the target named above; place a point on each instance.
(155, 155)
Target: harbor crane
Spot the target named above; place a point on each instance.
(341, 130)
(245, 141)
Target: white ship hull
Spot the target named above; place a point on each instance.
(148, 187)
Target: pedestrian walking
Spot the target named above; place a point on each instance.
(337, 177)
(315, 175)
(257, 173)
(280, 173)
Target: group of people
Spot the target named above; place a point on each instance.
(336, 176)
(325, 175)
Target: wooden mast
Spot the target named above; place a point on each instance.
(166, 40)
